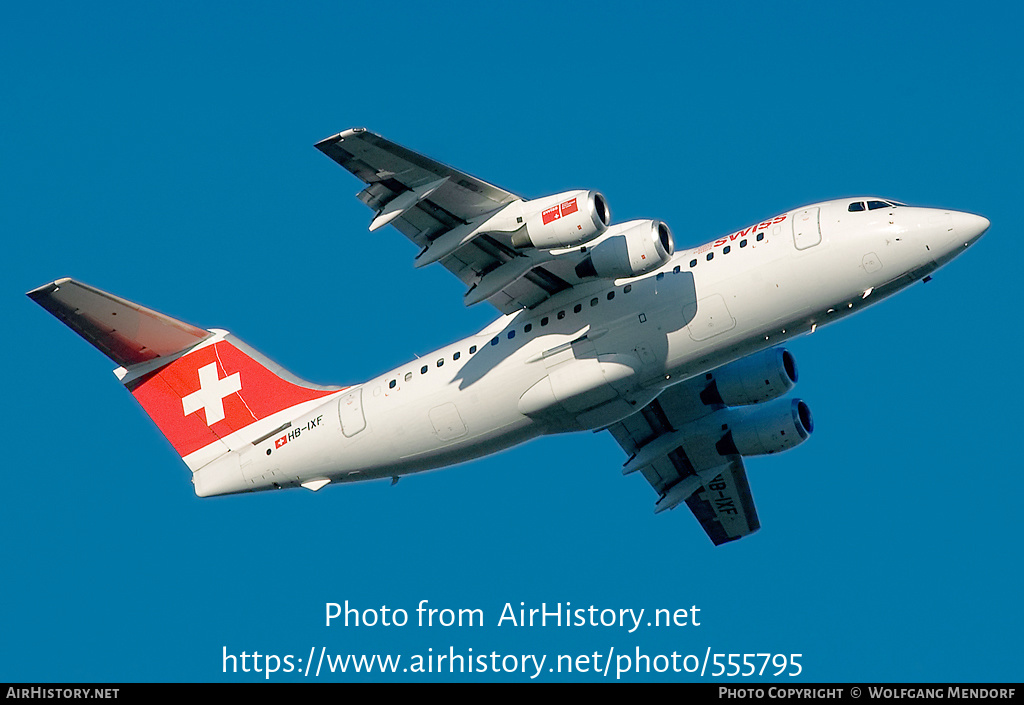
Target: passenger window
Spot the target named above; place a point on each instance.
(760, 236)
(408, 376)
(727, 249)
(711, 256)
(628, 288)
(392, 383)
(675, 270)
(511, 334)
(472, 349)
(611, 295)
(577, 308)
(544, 321)
(423, 370)
(693, 263)
(440, 362)
(743, 243)
(456, 355)
(494, 340)
(528, 327)
(593, 301)
(561, 315)
(856, 206)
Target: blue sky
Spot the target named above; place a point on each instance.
(166, 154)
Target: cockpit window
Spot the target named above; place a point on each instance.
(856, 206)
(875, 205)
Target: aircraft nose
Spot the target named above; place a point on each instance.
(969, 227)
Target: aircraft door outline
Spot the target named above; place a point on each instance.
(806, 228)
(350, 411)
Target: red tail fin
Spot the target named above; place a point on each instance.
(206, 400)
(208, 392)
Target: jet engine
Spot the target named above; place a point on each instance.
(754, 379)
(640, 247)
(766, 429)
(563, 220)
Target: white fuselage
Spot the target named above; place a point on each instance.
(592, 355)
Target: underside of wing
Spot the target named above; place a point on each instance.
(439, 208)
(690, 442)
(123, 331)
(683, 465)
(508, 251)
(724, 506)
(390, 171)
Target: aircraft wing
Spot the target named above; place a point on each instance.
(441, 210)
(676, 443)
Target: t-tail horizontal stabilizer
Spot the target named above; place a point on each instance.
(127, 333)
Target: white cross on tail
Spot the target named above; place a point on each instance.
(211, 393)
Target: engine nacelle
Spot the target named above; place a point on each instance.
(755, 379)
(640, 247)
(563, 220)
(771, 428)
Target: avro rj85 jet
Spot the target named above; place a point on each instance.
(603, 327)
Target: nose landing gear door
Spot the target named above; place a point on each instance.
(806, 231)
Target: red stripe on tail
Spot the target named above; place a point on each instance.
(213, 392)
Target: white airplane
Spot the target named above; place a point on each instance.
(603, 327)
